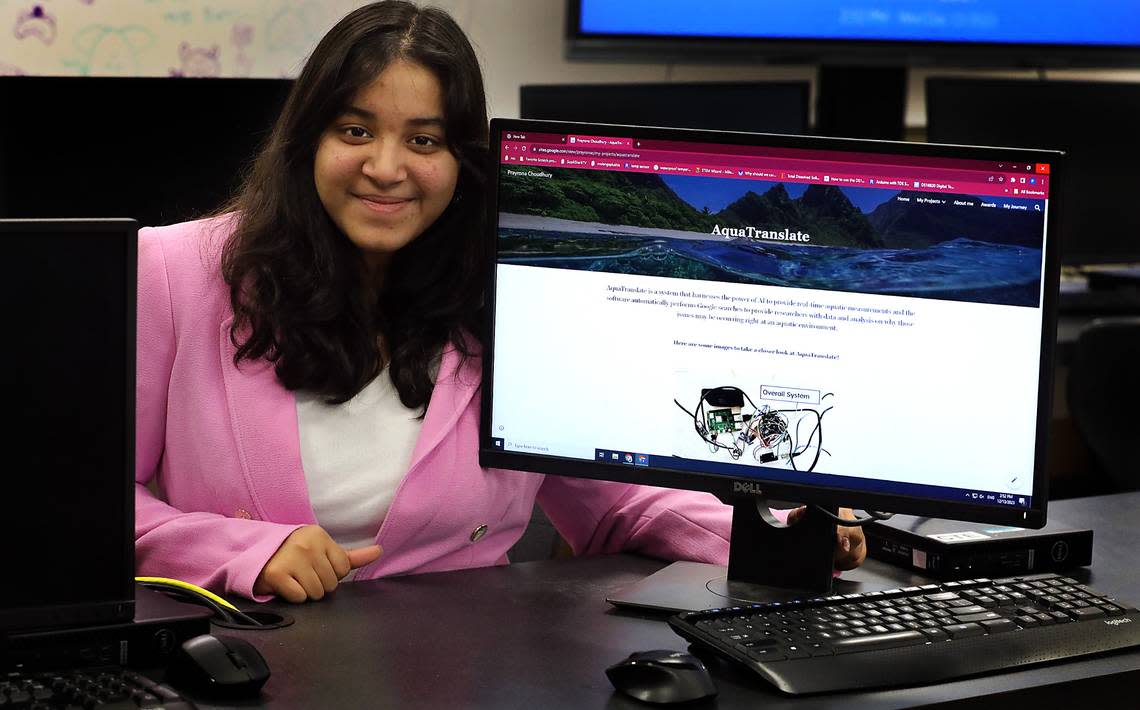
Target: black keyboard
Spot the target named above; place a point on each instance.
(111, 688)
(915, 635)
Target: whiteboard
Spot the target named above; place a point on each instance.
(201, 38)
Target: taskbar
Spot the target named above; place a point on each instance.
(761, 472)
(870, 485)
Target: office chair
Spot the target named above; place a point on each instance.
(1103, 389)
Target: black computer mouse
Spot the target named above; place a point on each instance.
(662, 677)
(218, 666)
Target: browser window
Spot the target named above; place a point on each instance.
(862, 321)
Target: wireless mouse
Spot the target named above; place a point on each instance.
(217, 666)
(662, 676)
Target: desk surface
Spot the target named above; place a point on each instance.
(540, 634)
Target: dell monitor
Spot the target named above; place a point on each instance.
(827, 321)
(159, 150)
(68, 289)
(1093, 122)
(766, 107)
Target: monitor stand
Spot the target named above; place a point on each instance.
(767, 561)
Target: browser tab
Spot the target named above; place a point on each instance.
(600, 141)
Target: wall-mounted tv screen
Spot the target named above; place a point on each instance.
(1089, 32)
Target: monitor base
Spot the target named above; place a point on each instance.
(768, 561)
(692, 586)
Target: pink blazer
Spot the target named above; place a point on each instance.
(220, 445)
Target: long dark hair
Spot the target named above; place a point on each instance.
(297, 284)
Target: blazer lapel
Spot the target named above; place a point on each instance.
(418, 497)
(455, 385)
(263, 417)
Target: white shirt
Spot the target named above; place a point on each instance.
(355, 455)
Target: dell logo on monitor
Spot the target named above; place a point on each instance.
(746, 487)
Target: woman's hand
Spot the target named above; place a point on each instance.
(850, 545)
(309, 564)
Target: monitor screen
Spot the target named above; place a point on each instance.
(159, 150)
(1094, 122)
(1097, 32)
(765, 107)
(69, 290)
(1094, 22)
(832, 321)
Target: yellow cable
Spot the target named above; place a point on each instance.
(188, 586)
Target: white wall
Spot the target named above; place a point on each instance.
(518, 41)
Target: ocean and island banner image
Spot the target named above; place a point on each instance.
(856, 239)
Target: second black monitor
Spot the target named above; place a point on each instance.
(1094, 122)
(160, 150)
(758, 107)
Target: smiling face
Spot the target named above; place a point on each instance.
(382, 168)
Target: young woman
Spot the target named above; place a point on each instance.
(308, 369)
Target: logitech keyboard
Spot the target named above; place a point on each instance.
(915, 635)
(110, 688)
